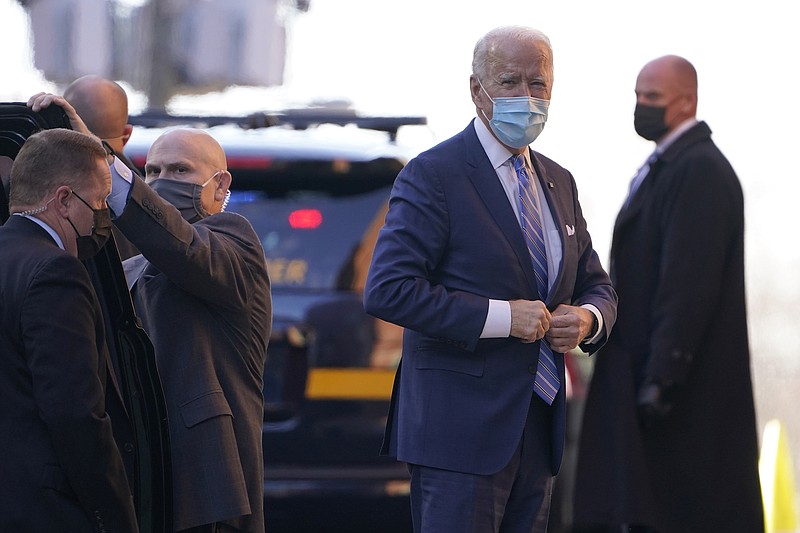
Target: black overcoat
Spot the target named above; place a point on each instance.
(677, 262)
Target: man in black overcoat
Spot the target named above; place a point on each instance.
(669, 441)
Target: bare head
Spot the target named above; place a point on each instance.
(669, 82)
(103, 106)
(510, 61)
(191, 156)
(59, 176)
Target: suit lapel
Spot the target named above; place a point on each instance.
(484, 178)
(697, 133)
(553, 196)
(629, 211)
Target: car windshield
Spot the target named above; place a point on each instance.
(315, 240)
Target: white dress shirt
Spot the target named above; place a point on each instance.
(498, 320)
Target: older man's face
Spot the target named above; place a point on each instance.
(516, 68)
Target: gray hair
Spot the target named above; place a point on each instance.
(482, 54)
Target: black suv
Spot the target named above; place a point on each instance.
(316, 186)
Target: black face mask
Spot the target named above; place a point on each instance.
(648, 121)
(185, 196)
(90, 245)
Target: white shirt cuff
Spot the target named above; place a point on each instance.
(121, 179)
(498, 320)
(596, 312)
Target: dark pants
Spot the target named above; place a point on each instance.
(514, 500)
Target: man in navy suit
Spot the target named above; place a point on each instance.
(453, 267)
(61, 468)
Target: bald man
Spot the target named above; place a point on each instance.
(202, 291)
(201, 288)
(103, 106)
(669, 441)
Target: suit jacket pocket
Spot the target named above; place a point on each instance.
(205, 407)
(438, 355)
(53, 477)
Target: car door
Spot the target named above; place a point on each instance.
(128, 344)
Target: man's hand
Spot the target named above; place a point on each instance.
(570, 325)
(530, 320)
(652, 403)
(39, 101)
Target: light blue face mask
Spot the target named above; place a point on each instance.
(517, 120)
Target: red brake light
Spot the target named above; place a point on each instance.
(305, 219)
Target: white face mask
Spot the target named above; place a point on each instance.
(517, 120)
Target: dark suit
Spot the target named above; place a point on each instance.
(60, 468)
(451, 241)
(677, 261)
(203, 294)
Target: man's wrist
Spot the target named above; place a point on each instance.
(595, 326)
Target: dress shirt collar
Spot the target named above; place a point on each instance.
(497, 153)
(46, 227)
(665, 143)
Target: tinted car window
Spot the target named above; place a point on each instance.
(312, 239)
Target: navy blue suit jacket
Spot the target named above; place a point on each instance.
(451, 242)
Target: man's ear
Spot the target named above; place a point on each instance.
(475, 90)
(61, 200)
(126, 133)
(224, 184)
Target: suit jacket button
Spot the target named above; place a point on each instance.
(532, 370)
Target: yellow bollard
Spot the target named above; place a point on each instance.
(777, 480)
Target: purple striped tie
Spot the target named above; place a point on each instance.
(546, 382)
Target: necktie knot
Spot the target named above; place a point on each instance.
(519, 163)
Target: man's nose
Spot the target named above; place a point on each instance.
(524, 89)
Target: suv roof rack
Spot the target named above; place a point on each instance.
(296, 118)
